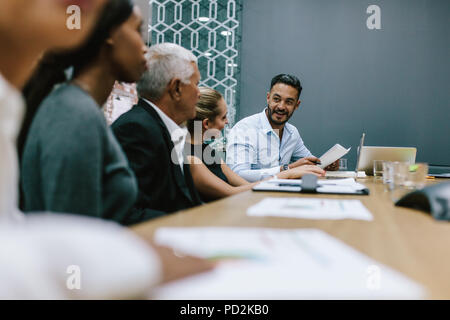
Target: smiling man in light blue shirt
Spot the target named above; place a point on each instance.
(264, 144)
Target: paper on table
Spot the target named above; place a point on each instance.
(334, 153)
(310, 208)
(343, 186)
(344, 174)
(280, 264)
(291, 185)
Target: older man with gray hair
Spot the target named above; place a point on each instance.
(152, 133)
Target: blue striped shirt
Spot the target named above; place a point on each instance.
(254, 149)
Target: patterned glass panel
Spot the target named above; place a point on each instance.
(211, 29)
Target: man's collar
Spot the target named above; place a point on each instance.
(176, 132)
(170, 124)
(265, 122)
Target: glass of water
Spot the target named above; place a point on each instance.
(342, 164)
(377, 169)
(417, 175)
(388, 175)
(407, 178)
(399, 177)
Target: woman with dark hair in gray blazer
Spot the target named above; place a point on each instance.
(71, 161)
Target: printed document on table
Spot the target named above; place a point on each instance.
(263, 263)
(344, 174)
(337, 186)
(310, 208)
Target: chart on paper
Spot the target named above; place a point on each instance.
(262, 263)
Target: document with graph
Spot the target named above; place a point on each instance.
(264, 263)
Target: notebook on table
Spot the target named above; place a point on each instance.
(440, 175)
(310, 184)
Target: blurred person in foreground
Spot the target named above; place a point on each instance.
(37, 252)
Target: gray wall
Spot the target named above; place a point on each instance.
(392, 83)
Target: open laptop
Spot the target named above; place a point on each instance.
(369, 154)
(440, 175)
(358, 154)
(349, 174)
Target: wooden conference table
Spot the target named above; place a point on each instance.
(407, 240)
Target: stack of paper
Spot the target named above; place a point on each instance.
(345, 174)
(280, 264)
(343, 186)
(310, 208)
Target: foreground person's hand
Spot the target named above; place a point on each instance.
(179, 266)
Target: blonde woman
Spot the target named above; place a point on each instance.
(212, 177)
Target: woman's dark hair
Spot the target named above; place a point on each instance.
(52, 66)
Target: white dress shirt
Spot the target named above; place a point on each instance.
(37, 252)
(47, 255)
(254, 149)
(177, 134)
(11, 114)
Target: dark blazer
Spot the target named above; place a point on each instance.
(162, 186)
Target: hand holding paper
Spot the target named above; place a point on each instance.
(311, 160)
(333, 154)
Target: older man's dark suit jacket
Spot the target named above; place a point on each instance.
(162, 186)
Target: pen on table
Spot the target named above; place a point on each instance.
(289, 185)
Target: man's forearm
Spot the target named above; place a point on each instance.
(257, 174)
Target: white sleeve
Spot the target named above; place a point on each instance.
(71, 257)
(300, 151)
(242, 145)
(253, 175)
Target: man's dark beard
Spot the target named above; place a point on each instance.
(278, 123)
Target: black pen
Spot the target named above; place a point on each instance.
(289, 185)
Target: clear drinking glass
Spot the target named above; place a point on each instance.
(378, 169)
(388, 168)
(343, 164)
(399, 177)
(417, 176)
(407, 178)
